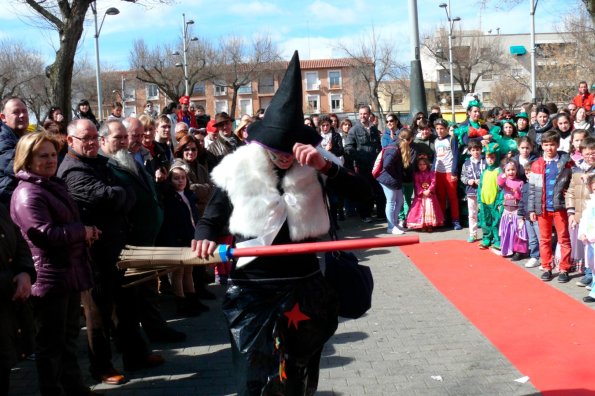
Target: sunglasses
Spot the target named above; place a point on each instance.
(390, 120)
(190, 149)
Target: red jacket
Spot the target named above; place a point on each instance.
(188, 118)
(585, 101)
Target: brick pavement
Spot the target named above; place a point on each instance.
(410, 339)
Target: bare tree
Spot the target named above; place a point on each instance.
(588, 5)
(579, 28)
(238, 63)
(84, 83)
(375, 60)
(67, 18)
(18, 66)
(158, 66)
(473, 55)
(394, 92)
(507, 93)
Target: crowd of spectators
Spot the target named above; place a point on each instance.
(73, 195)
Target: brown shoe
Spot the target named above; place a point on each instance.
(152, 360)
(110, 377)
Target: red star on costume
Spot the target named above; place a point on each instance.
(295, 316)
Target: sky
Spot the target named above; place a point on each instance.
(312, 27)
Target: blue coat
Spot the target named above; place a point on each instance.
(8, 143)
(392, 168)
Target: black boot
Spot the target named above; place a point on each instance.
(185, 308)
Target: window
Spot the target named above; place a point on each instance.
(245, 89)
(312, 82)
(487, 76)
(398, 98)
(266, 84)
(199, 89)
(486, 96)
(265, 102)
(246, 106)
(516, 72)
(336, 102)
(313, 103)
(129, 111)
(220, 89)
(152, 91)
(334, 79)
(443, 76)
(129, 93)
(220, 106)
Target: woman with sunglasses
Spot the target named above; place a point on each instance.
(391, 133)
(188, 150)
(417, 118)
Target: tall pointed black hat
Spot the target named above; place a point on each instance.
(283, 122)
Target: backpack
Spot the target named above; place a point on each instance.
(377, 168)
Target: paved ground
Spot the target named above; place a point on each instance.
(412, 342)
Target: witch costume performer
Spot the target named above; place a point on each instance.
(280, 310)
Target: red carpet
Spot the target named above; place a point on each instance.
(546, 334)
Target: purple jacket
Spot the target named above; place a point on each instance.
(50, 223)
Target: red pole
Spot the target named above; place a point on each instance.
(329, 246)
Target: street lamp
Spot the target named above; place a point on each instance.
(185, 41)
(451, 22)
(109, 11)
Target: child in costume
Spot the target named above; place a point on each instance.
(507, 139)
(522, 124)
(425, 213)
(586, 233)
(473, 128)
(489, 198)
(472, 169)
(513, 236)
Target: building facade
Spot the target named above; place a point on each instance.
(504, 80)
(329, 86)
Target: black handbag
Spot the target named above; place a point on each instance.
(352, 281)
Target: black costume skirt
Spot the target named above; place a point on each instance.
(278, 328)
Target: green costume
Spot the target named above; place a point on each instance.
(489, 199)
(506, 143)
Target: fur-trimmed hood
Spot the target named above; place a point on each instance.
(250, 181)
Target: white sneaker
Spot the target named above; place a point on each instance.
(401, 224)
(397, 231)
(532, 263)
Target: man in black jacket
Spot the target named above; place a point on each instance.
(105, 203)
(362, 146)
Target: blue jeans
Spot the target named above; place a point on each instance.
(394, 202)
(533, 234)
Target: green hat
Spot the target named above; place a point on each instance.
(491, 148)
(522, 115)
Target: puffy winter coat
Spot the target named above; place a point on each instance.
(50, 223)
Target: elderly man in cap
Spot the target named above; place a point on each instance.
(279, 309)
